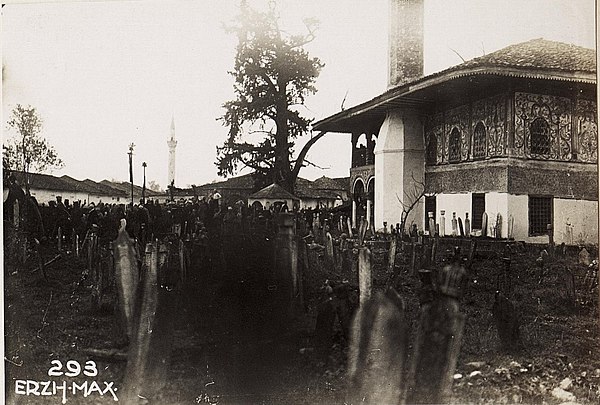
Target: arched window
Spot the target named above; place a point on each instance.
(539, 141)
(479, 141)
(431, 156)
(454, 146)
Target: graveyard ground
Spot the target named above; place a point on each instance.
(229, 347)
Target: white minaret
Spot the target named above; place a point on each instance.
(172, 143)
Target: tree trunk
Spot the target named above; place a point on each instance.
(282, 172)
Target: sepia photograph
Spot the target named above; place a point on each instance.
(300, 202)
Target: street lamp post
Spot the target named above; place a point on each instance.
(130, 153)
(144, 185)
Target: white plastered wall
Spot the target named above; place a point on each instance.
(44, 196)
(398, 158)
(582, 215)
(575, 221)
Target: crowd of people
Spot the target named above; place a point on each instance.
(198, 218)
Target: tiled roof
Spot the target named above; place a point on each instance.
(104, 189)
(327, 183)
(538, 54)
(244, 182)
(534, 59)
(47, 182)
(273, 191)
(126, 187)
(323, 187)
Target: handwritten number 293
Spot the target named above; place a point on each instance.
(73, 369)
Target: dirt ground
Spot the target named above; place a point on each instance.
(232, 346)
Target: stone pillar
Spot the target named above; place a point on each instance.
(370, 158)
(353, 213)
(399, 156)
(369, 213)
(354, 140)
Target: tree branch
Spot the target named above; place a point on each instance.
(304, 152)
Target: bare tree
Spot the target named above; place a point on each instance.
(410, 201)
(28, 151)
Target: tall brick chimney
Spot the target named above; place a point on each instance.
(405, 41)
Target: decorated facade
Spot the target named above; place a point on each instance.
(512, 134)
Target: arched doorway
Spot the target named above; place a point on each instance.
(371, 200)
(359, 204)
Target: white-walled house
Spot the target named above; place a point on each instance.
(512, 133)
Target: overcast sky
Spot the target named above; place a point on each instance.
(105, 74)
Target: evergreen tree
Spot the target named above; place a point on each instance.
(273, 75)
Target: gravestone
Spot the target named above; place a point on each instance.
(471, 256)
(392, 255)
(329, 247)
(150, 348)
(324, 329)
(569, 286)
(454, 224)
(378, 351)
(442, 230)
(484, 224)
(431, 222)
(59, 239)
(498, 226)
(438, 339)
(434, 249)
(507, 322)
(550, 231)
(584, 257)
(126, 274)
(365, 280)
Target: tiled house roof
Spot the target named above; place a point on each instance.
(126, 187)
(327, 183)
(48, 182)
(273, 191)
